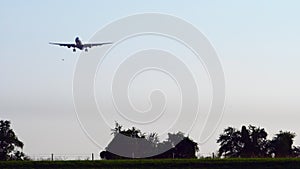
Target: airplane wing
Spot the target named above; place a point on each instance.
(89, 45)
(64, 44)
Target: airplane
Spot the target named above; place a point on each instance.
(79, 45)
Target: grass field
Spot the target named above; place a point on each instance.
(285, 163)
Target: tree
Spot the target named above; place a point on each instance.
(153, 139)
(246, 142)
(296, 151)
(175, 138)
(255, 142)
(117, 129)
(281, 144)
(249, 142)
(230, 143)
(9, 143)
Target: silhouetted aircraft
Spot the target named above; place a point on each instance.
(79, 45)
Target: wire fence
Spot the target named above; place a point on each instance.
(89, 157)
(62, 157)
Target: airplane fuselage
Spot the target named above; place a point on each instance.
(78, 43)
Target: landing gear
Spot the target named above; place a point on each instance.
(86, 49)
(74, 50)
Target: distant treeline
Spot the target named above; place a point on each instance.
(249, 142)
(252, 141)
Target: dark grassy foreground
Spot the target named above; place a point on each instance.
(285, 163)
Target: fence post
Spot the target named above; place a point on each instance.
(52, 157)
(92, 156)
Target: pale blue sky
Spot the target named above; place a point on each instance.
(257, 42)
